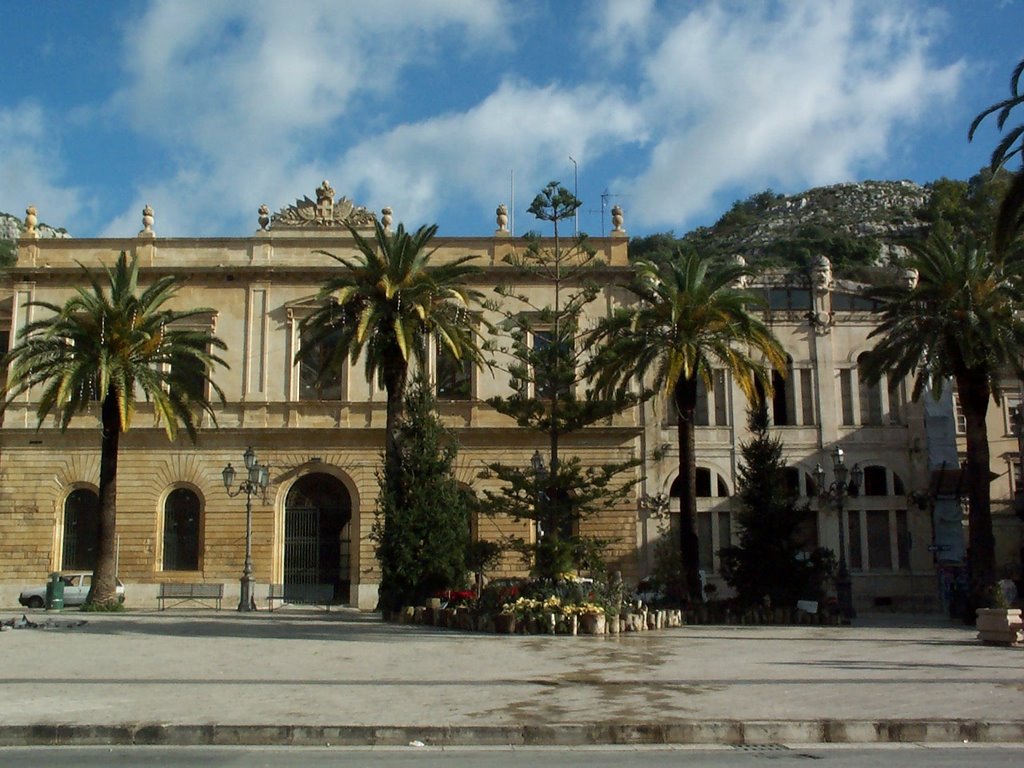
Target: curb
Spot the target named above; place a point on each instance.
(729, 732)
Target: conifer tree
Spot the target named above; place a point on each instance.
(422, 527)
(547, 343)
(771, 559)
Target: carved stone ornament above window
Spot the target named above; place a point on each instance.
(325, 211)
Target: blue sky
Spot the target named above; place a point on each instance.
(673, 110)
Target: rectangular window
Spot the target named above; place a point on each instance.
(807, 395)
(453, 377)
(853, 540)
(671, 413)
(846, 391)
(188, 376)
(958, 413)
(1013, 413)
(879, 541)
(552, 368)
(724, 530)
(903, 542)
(705, 542)
(312, 384)
(780, 400)
(721, 411)
(700, 414)
(870, 404)
(895, 400)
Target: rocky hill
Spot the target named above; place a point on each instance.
(854, 224)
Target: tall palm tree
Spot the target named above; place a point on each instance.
(691, 317)
(383, 306)
(958, 320)
(1010, 222)
(109, 342)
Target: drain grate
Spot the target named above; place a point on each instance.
(758, 748)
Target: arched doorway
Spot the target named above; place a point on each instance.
(81, 530)
(317, 539)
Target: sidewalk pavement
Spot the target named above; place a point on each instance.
(303, 677)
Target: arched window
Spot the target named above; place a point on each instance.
(879, 533)
(181, 531)
(714, 526)
(81, 530)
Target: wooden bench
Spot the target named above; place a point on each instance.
(301, 594)
(189, 593)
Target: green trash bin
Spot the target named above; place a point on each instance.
(55, 593)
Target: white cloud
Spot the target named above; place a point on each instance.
(255, 102)
(29, 159)
(464, 159)
(618, 26)
(798, 94)
(254, 92)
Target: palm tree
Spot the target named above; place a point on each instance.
(1010, 222)
(383, 306)
(958, 319)
(108, 342)
(692, 316)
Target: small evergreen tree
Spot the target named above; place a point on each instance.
(771, 558)
(547, 343)
(422, 526)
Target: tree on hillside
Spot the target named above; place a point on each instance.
(1010, 223)
(772, 558)
(959, 318)
(422, 526)
(547, 343)
(690, 317)
(108, 342)
(383, 305)
(967, 211)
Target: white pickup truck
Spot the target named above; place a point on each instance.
(76, 589)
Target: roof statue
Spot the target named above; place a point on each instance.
(325, 211)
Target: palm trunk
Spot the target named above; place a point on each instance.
(974, 393)
(104, 586)
(686, 405)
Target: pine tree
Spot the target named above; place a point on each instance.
(547, 344)
(422, 527)
(771, 559)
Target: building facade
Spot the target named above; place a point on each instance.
(176, 522)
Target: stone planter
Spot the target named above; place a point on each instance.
(1000, 626)
(592, 624)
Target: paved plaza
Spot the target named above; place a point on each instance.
(313, 677)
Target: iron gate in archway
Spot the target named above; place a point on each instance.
(317, 541)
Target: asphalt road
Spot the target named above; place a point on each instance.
(793, 756)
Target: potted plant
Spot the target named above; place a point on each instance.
(999, 624)
(592, 621)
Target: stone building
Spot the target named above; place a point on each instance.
(176, 522)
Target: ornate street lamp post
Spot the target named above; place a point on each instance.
(256, 481)
(847, 483)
